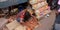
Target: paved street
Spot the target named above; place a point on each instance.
(3, 21)
(46, 23)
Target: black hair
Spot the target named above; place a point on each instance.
(27, 16)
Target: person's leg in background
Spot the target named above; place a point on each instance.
(57, 26)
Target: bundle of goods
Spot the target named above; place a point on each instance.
(41, 7)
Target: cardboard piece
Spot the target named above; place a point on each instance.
(12, 25)
(20, 28)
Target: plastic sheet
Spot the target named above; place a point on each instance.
(11, 2)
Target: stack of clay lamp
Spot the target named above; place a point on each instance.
(41, 7)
